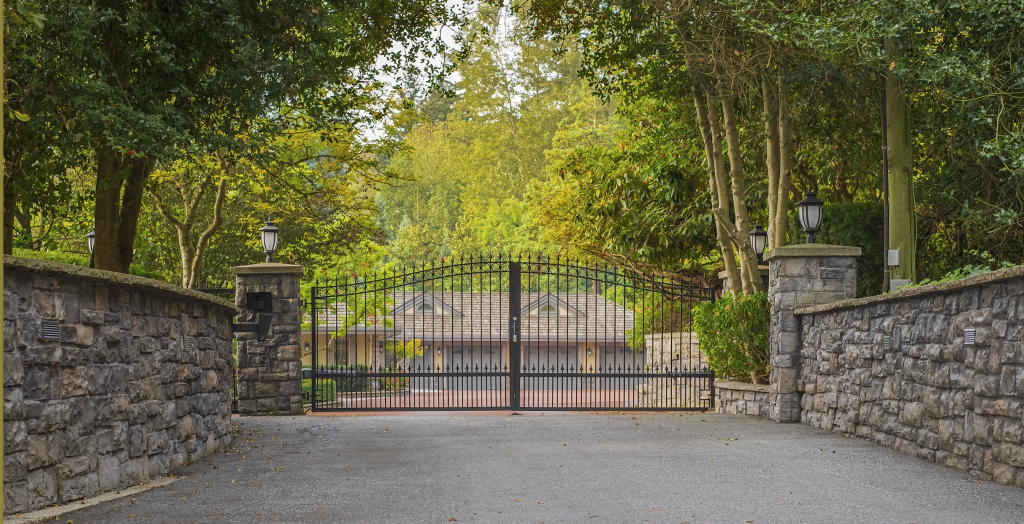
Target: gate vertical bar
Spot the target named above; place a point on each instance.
(313, 344)
(514, 342)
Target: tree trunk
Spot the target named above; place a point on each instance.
(772, 152)
(713, 153)
(901, 182)
(748, 260)
(780, 227)
(205, 236)
(10, 204)
(117, 211)
(106, 253)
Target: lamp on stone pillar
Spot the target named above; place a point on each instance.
(269, 234)
(809, 210)
(91, 237)
(759, 241)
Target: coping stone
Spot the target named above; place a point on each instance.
(812, 250)
(930, 289)
(741, 386)
(114, 277)
(267, 268)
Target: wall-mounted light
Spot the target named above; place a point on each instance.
(759, 240)
(306, 347)
(269, 234)
(589, 352)
(91, 237)
(438, 350)
(809, 210)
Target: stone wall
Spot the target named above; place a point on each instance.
(109, 380)
(664, 352)
(896, 369)
(739, 398)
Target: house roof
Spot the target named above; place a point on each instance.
(485, 317)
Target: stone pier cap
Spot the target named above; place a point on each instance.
(812, 250)
(267, 268)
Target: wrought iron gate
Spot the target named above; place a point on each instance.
(497, 334)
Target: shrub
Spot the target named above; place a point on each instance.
(393, 383)
(327, 391)
(733, 334)
(346, 384)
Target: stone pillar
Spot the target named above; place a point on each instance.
(270, 372)
(801, 275)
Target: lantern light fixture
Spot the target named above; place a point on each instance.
(759, 240)
(269, 235)
(809, 210)
(91, 237)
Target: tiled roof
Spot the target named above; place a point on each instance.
(485, 316)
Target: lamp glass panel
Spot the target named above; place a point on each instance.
(92, 243)
(813, 216)
(759, 243)
(270, 240)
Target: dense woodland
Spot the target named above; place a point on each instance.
(649, 135)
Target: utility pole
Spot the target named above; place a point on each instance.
(899, 156)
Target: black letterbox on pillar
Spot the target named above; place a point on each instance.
(261, 302)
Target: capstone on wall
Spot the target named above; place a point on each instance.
(897, 371)
(109, 380)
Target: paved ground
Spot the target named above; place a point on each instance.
(558, 468)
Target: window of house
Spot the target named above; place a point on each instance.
(425, 309)
(547, 310)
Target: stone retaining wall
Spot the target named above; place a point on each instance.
(109, 380)
(739, 398)
(896, 370)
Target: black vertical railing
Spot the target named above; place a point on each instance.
(525, 334)
(515, 343)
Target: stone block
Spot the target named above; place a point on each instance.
(42, 487)
(74, 382)
(72, 467)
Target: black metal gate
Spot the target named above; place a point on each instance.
(498, 334)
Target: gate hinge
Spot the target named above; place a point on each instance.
(262, 327)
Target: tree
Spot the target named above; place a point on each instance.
(189, 182)
(131, 83)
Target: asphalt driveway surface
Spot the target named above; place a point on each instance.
(557, 468)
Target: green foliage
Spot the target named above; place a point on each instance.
(393, 383)
(987, 264)
(110, 87)
(76, 259)
(733, 334)
(347, 384)
(327, 391)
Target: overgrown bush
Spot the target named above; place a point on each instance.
(327, 391)
(733, 334)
